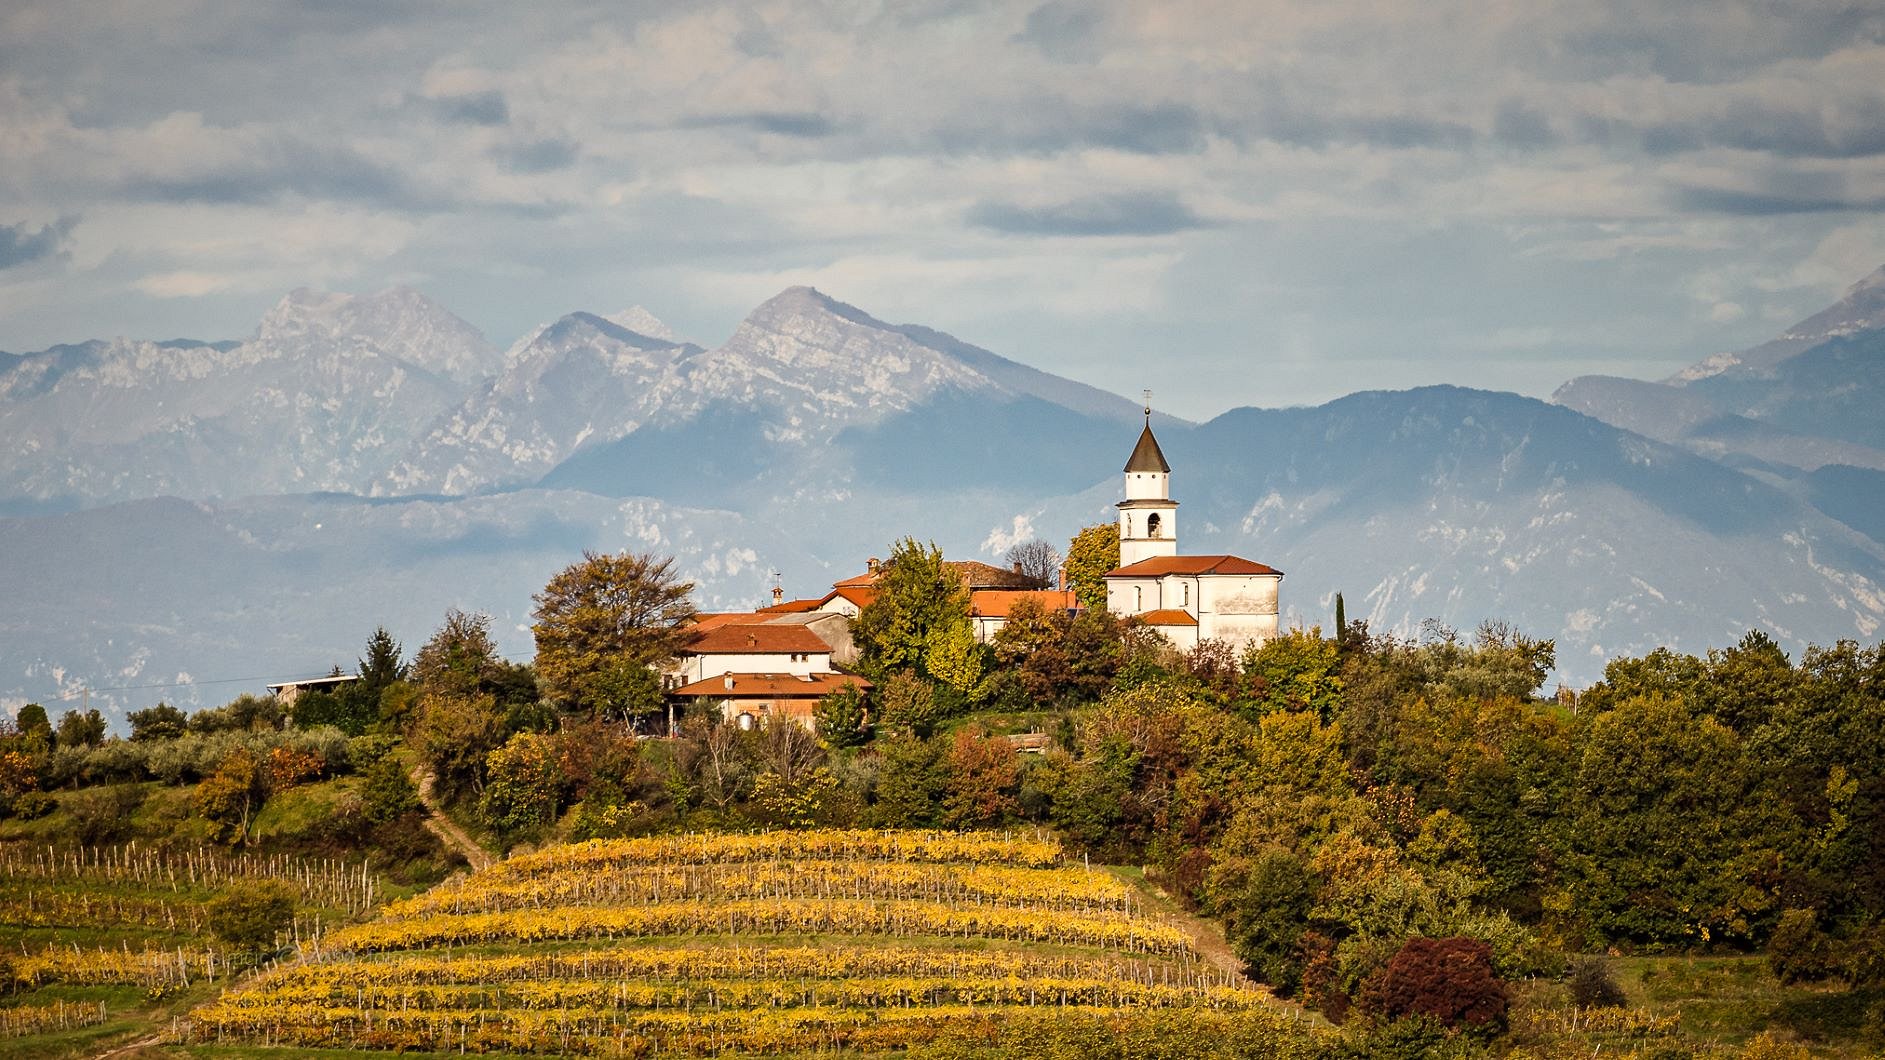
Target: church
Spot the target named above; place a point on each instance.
(1187, 598)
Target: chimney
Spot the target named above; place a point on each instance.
(729, 682)
(1017, 566)
(1063, 579)
(872, 564)
(778, 595)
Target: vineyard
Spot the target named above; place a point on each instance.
(99, 942)
(773, 943)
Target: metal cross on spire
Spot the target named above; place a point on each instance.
(1148, 406)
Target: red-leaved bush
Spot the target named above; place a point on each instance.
(1448, 979)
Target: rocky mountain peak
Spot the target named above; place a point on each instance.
(1862, 309)
(642, 322)
(398, 322)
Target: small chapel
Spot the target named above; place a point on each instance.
(1187, 598)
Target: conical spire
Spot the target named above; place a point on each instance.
(1146, 455)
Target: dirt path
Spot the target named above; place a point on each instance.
(447, 829)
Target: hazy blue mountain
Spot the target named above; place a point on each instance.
(324, 395)
(1806, 399)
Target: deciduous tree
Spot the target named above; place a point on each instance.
(602, 614)
(1092, 552)
(916, 594)
(1038, 561)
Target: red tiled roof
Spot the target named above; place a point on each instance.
(869, 578)
(754, 639)
(861, 595)
(791, 607)
(772, 686)
(1169, 616)
(996, 603)
(716, 619)
(1159, 566)
(976, 575)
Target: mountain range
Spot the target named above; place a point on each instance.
(182, 514)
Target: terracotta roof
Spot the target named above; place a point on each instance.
(861, 595)
(1146, 455)
(996, 603)
(976, 575)
(1159, 566)
(777, 686)
(791, 607)
(756, 639)
(1169, 616)
(716, 619)
(868, 578)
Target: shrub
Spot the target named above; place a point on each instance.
(1448, 979)
(249, 914)
(1799, 952)
(1593, 985)
(388, 791)
(103, 815)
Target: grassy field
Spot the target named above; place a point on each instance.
(778, 943)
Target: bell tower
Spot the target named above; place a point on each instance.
(1148, 517)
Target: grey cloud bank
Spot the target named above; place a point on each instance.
(1273, 194)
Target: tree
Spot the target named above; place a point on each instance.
(522, 784)
(230, 796)
(625, 690)
(388, 791)
(161, 722)
(81, 728)
(907, 702)
(984, 778)
(1297, 671)
(840, 717)
(911, 780)
(453, 736)
(250, 915)
(605, 612)
(382, 664)
(1092, 552)
(916, 594)
(952, 656)
(1038, 561)
(458, 658)
(34, 728)
(1650, 766)
(1449, 979)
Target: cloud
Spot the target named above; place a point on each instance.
(1767, 203)
(801, 125)
(538, 156)
(1064, 32)
(1132, 214)
(470, 108)
(18, 246)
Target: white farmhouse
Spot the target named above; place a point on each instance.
(1187, 598)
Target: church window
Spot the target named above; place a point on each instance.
(1187, 594)
(1151, 525)
(1138, 598)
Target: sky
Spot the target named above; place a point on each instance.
(1233, 203)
